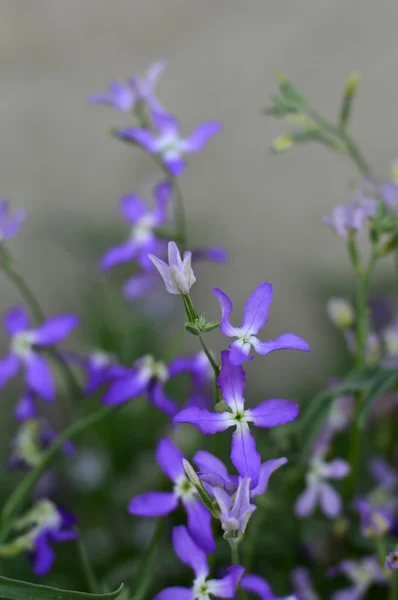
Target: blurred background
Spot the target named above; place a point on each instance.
(59, 162)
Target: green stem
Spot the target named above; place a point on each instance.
(211, 360)
(381, 550)
(92, 582)
(18, 497)
(394, 586)
(236, 561)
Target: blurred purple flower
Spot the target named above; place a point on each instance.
(177, 274)
(24, 346)
(391, 561)
(363, 574)
(260, 587)
(236, 511)
(202, 589)
(375, 521)
(255, 316)
(302, 584)
(351, 217)
(168, 143)
(270, 413)
(9, 224)
(155, 504)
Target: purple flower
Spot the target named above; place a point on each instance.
(391, 561)
(202, 588)
(375, 521)
(144, 222)
(363, 574)
(302, 584)
(9, 224)
(260, 587)
(201, 377)
(351, 217)
(156, 504)
(177, 274)
(270, 413)
(383, 473)
(146, 377)
(24, 346)
(318, 491)
(255, 316)
(235, 512)
(125, 96)
(168, 143)
(26, 407)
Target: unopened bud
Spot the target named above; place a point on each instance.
(210, 326)
(191, 328)
(282, 143)
(340, 312)
(198, 485)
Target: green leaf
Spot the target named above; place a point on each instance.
(21, 590)
(384, 383)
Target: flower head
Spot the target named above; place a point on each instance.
(391, 561)
(24, 346)
(125, 96)
(363, 574)
(375, 521)
(270, 413)
(144, 222)
(177, 274)
(255, 316)
(202, 588)
(154, 504)
(9, 224)
(319, 491)
(167, 142)
(351, 217)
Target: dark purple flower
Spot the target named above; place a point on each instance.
(391, 561)
(24, 346)
(255, 316)
(318, 491)
(270, 413)
(9, 224)
(155, 504)
(146, 377)
(167, 142)
(363, 574)
(142, 239)
(177, 274)
(261, 588)
(202, 588)
(351, 217)
(125, 96)
(375, 521)
(302, 584)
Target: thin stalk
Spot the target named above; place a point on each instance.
(235, 559)
(394, 586)
(211, 360)
(21, 493)
(91, 579)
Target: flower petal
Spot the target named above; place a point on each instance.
(142, 137)
(200, 136)
(163, 269)
(169, 458)
(16, 320)
(188, 552)
(257, 585)
(159, 398)
(208, 463)
(38, 376)
(9, 366)
(174, 255)
(226, 309)
(26, 408)
(43, 555)
(244, 454)
(226, 587)
(204, 420)
(286, 341)
(139, 285)
(175, 164)
(336, 469)
(119, 254)
(240, 352)
(199, 525)
(174, 593)
(255, 312)
(266, 471)
(132, 207)
(274, 412)
(153, 504)
(231, 382)
(163, 193)
(329, 500)
(55, 330)
(124, 389)
(306, 502)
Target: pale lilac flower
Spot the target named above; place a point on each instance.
(146, 377)
(144, 222)
(177, 275)
(391, 561)
(24, 346)
(270, 413)
(318, 491)
(237, 510)
(375, 521)
(202, 588)
(9, 224)
(155, 504)
(351, 217)
(302, 584)
(363, 574)
(125, 96)
(167, 142)
(261, 588)
(255, 316)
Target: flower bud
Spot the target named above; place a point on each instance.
(341, 312)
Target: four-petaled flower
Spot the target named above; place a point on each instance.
(202, 589)
(25, 343)
(9, 224)
(168, 143)
(155, 504)
(144, 222)
(363, 574)
(319, 491)
(255, 316)
(125, 96)
(177, 275)
(270, 413)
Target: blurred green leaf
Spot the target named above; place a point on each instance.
(21, 590)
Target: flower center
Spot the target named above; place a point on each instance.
(21, 344)
(201, 589)
(150, 368)
(142, 230)
(170, 145)
(184, 489)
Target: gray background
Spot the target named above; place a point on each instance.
(59, 163)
